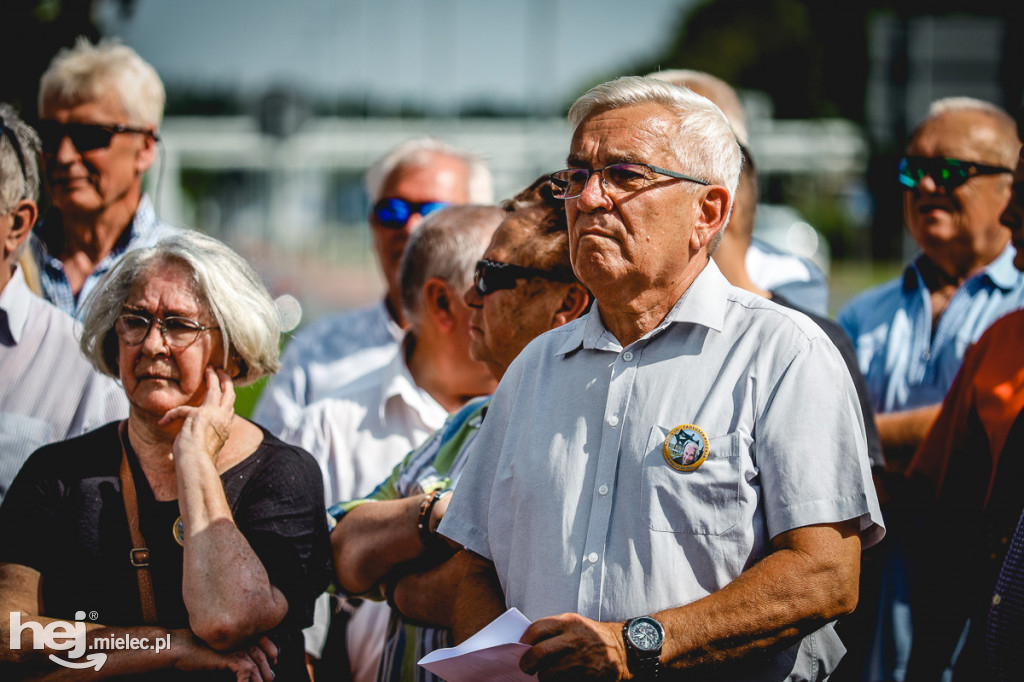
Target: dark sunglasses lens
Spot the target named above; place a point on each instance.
(945, 173)
(490, 278)
(392, 212)
(84, 137)
(909, 175)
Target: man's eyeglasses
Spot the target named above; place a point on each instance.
(395, 213)
(947, 174)
(491, 276)
(85, 136)
(625, 177)
(9, 134)
(177, 332)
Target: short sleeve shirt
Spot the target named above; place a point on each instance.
(569, 489)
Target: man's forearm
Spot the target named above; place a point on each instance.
(901, 433)
(373, 538)
(806, 582)
(429, 597)
(479, 598)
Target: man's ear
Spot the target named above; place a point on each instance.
(712, 215)
(437, 303)
(574, 303)
(146, 155)
(24, 214)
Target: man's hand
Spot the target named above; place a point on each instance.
(571, 647)
(250, 664)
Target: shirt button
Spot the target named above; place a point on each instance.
(603, 490)
(592, 557)
(613, 420)
(926, 356)
(628, 356)
(996, 599)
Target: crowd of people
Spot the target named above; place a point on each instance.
(600, 401)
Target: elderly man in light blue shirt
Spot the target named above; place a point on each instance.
(911, 333)
(414, 179)
(679, 479)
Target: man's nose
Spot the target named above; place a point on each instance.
(595, 194)
(66, 151)
(473, 298)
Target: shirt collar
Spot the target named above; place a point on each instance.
(1001, 272)
(397, 384)
(14, 303)
(702, 304)
(50, 230)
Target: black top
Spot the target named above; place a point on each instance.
(64, 517)
(843, 343)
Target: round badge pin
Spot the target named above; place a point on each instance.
(686, 447)
(178, 530)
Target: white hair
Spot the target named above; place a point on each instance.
(715, 89)
(222, 281)
(1007, 144)
(705, 143)
(421, 152)
(86, 72)
(19, 160)
(446, 246)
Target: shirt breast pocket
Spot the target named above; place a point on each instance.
(702, 501)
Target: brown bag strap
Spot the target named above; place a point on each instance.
(139, 555)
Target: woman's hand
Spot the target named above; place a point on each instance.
(205, 428)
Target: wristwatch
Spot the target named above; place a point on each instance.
(644, 637)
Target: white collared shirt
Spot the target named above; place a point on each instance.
(48, 390)
(569, 492)
(361, 432)
(322, 358)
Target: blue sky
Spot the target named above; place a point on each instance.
(430, 52)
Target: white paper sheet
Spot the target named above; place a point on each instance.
(491, 654)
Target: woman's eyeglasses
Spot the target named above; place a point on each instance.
(947, 174)
(177, 332)
(85, 136)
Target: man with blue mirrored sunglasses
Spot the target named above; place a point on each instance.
(413, 180)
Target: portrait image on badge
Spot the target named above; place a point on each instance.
(686, 447)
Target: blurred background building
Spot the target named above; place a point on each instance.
(276, 109)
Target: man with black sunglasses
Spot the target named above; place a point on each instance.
(414, 179)
(48, 390)
(523, 287)
(100, 108)
(911, 332)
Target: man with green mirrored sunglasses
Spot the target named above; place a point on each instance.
(911, 333)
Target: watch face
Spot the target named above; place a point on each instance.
(645, 635)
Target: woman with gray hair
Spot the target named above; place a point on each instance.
(185, 525)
